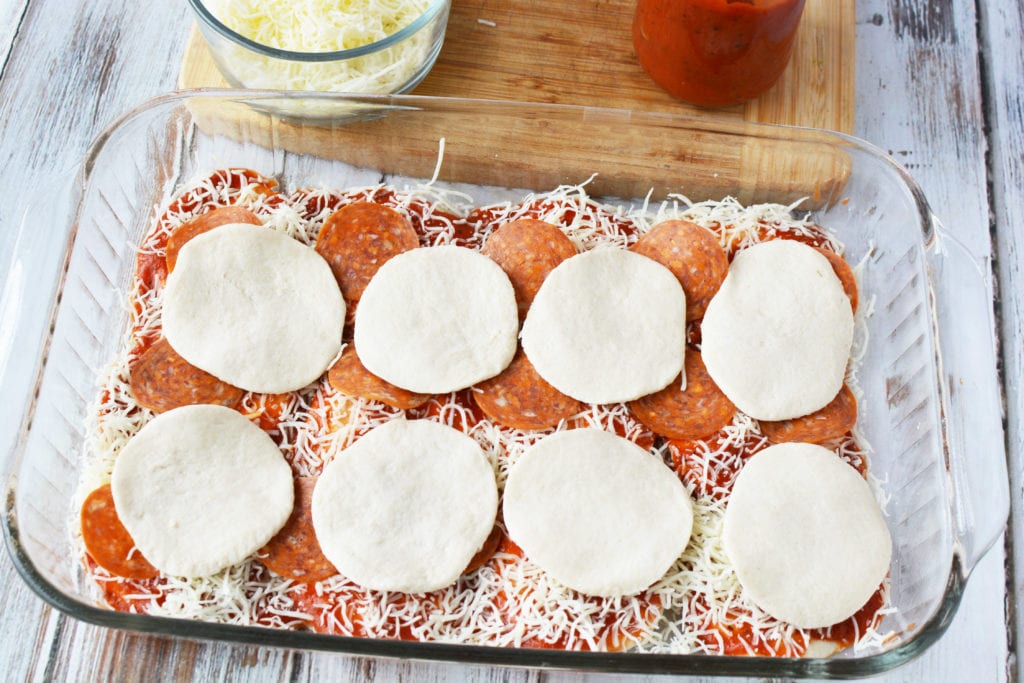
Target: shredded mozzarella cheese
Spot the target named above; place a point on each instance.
(324, 26)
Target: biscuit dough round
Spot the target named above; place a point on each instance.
(406, 507)
(437, 319)
(254, 308)
(201, 488)
(777, 335)
(607, 326)
(597, 512)
(805, 535)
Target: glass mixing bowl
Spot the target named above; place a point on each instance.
(393, 64)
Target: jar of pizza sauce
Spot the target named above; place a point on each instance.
(715, 52)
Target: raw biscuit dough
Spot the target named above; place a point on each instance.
(406, 507)
(597, 512)
(437, 319)
(254, 308)
(777, 335)
(201, 488)
(806, 536)
(607, 326)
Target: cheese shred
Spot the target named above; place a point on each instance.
(319, 26)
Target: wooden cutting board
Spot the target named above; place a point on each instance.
(581, 52)
(578, 52)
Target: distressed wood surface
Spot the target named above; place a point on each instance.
(76, 67)
(1001, 27)
(10, 18)
(919, 59)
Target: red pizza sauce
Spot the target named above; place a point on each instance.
(741, 639)
(613, 630)
(715, 52)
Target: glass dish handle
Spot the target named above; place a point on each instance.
(27, 283)
(971, 402)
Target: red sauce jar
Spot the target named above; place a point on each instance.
(715, 52)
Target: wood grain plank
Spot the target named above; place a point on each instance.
(920, 82)
(11, 13)
(542, 149)
(90, 653)
(324, 667)
(27, 627)
(77, 66)
(73, 68)
(1001, 27)
(582, 53)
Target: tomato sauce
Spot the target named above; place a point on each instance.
(334, 613)
(811, 235)
(740, 639)
(127, 595)
(692, 464)
(487, 219)
(612, 632)
(310, 203)
(457, 410)
(150, 271)
(273, 409)
(715, 52)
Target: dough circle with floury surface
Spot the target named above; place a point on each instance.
(805, 535)
(777, 335)
(437, 319)
(607, 326)
(254, 308)
(406, 507)
(597, 512)
(201, 488)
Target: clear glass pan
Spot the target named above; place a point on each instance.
(931, 410)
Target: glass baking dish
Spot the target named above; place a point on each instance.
(930, 408)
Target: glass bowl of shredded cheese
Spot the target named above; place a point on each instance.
(352, 46)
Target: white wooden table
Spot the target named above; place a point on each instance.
(939, 86)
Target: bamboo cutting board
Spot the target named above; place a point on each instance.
(579, 53)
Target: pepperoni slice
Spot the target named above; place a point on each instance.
(358, 238)
(832, 421)
(845, 274)
(225, 215)
(520, 398)
(107, 541)
(162, 380)
(294, 552)
(486, 551)
(349, 376)
(694, 256)
(527, 250)
(699, 410)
